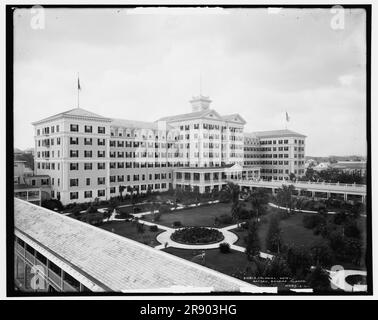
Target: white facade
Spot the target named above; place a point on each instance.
(88, 156)
(280, 153)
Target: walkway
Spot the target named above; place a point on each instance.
(306, 211)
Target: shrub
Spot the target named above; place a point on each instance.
(91, 209)
(140, 227)
(339, 218)
(157, 216)
(154, 228)
(352, 230)
(224, 247)
(177, 223)
(311, 221)
(197, 235)
(224, 197)
(52, 204)
(244, 214)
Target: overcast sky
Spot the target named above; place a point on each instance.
(146, 66)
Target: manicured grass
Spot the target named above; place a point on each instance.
(129, 230)
(202, 216)
(293, 231)
(228, 263)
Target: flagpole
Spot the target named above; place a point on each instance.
(78, 91)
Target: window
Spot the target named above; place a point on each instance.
(87, 141)
(58, 141)
(74, 153)
(87, 194)
(101, 154)
(101, 180)
(101, 165)
(74, 140)
(101, 193)
(101, 130)
(101, 142)
(88, 181)
(74, 182)
(73, 195)
(74, 166)
(87, 166)
(88, 154)
(88, 129)
(74, 128)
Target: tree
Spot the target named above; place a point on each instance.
(319, 279)
(113, 204)
(121, 189)
(273, 239)
(277, 267)
(252, 240)
(284, 196)
(352, 230)
(299, 261)
(353, 250)
(321, 254)
(234, 191)
(310, 174)
(258, 199)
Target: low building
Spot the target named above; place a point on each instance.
(351, 166)
(72, 256)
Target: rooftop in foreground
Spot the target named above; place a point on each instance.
(115, 262)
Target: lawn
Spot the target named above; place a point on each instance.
(293, 231)
(202, 216)
(227, 263)
(232, 263)
(129, 230)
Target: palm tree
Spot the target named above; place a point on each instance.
(233, 190)
(284, 196)
(252, 240)
(121, 189)
(258, 198)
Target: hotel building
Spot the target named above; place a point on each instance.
(89, 156)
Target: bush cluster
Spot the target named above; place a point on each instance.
(197, 235)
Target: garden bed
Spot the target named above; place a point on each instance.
(197, 236)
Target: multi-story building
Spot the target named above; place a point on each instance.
(89, 156)
(279, 153)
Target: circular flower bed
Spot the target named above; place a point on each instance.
(197, 235)
(356, 279)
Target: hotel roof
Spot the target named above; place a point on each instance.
(133, 124)
(116, 262)
(187, 116)
(277, 133)
(74, 113)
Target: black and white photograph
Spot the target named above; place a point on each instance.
(188, 150)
